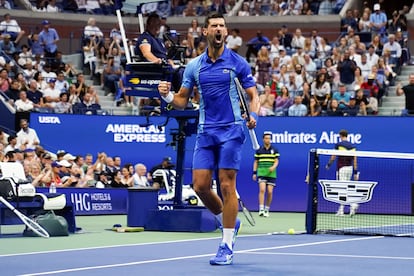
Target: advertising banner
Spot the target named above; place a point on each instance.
(91, 201)
(148, 140)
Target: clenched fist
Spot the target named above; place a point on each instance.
(164, 88)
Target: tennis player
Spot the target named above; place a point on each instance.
(346, 166)
(266, 160)
(220, 135)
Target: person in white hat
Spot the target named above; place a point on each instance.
(378, 21)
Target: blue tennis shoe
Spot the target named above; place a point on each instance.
(224, 256)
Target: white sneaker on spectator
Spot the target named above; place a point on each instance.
(354, 208)
(340, 211)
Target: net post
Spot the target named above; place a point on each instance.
(412, 198)
(312, 206)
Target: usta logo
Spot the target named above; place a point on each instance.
(49, 120)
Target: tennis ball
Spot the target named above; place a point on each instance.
(291, 231)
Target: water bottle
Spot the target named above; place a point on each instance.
(52, 188)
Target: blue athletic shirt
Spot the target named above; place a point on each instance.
(157, 46)
(345, 160)
(219, 102)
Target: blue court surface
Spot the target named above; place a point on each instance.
(264, 254)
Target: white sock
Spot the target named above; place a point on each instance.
(261, 207)
(267, 208)
(219, 218)
(228, 234)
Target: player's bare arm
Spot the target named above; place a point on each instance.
(178, 100)
(331, 160)
(399, 91)
(254, 170)
(254, 105)
(272, 168)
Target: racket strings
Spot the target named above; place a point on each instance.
(35, 227)
(247, 214)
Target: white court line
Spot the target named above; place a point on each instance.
(116, 265)
(121, 245)
(333, 255)
(106, 246)
(192, 257)
(310, 243)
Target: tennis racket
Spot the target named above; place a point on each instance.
(241, 92)
(34, 226)
(246, 212)
(127, 229)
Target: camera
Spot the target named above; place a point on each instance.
(172, 43)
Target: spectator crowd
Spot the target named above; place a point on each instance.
(192, 7)
(306, 75)
(297, 74)
(42, 167)
(33, 76)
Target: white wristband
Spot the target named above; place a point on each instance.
(169, 98)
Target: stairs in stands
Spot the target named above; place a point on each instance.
(392, 105)
(107, 103)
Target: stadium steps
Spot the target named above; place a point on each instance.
(392, 105)
(107, 102)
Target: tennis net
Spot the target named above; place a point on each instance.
(378, 202)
